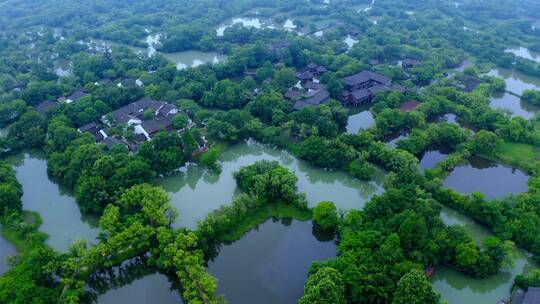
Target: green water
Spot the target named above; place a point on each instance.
(6, 249)
(182, 60)
(458, 288)
(270, 263)
(516, 82)
(514, 105)
(62, 219)
(524, 53)
(196, 192)
(481, 175)
(360, 121)
(133, 282)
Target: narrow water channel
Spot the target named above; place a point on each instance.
(458, 288)
(194, 191)
(524, 53)
(516, 82)
(514, 105)
(492, 179)
(6, 250)
(62, 219)
(270, 263)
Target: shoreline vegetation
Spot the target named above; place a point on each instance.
(110, 122)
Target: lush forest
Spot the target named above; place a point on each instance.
(58, 82)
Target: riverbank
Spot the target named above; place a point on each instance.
(13, 233)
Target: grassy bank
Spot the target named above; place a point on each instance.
(276, 210)
(24, 241)
(517, 154)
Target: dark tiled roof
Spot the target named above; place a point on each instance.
(307, 75)
(292, 94)
(98, 137)
(361, 94)
(366, 76)
(312, 66)
(299, 105)
(321, 69)
(310, 85)
(154, 125)
(80, 93)
(135, 110)
(46, 105)
(113, 141)
(91, 127)
(317, 97)
(140, 138)
(410, 62)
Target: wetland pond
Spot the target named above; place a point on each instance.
(432, 157)
(457, 288)
(196, 192)
(62, 219)
(360, 121)
(270, 263)
(182, 60)
(480, 175)
(524, 53)
(516, 82)
(514, 105)
(6, 250)
(133, 282)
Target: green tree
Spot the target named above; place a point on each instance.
(486, 142)
(324, 287)
(325, 215)
(414, 288)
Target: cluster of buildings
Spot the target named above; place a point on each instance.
(360, 88)
(309, 91)
(136, 115)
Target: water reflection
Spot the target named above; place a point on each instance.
(514, 105)
(6, 250)
(133, 282)
(490, 178)
(516, 82)
(458, 288)
(196, 192)
(432, 157)
(245, 22)
(361, 121)
(62, 219)
(391, 141)
(182, 60)
(524, 53)
(270, 263)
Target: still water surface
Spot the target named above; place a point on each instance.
(270, 263)
(196, 192)
(62, 219)
(458, 288)
(492, 179)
